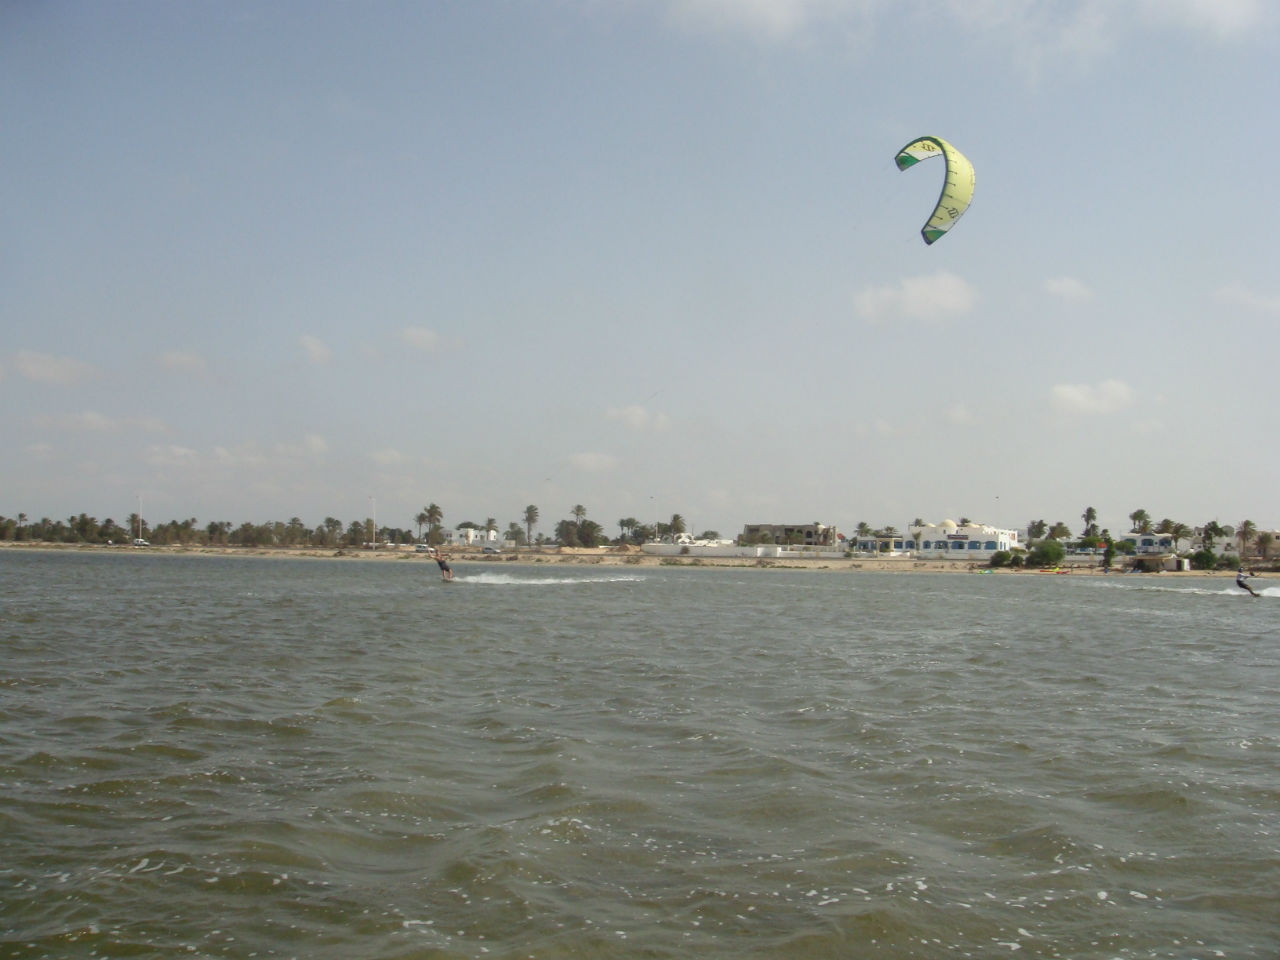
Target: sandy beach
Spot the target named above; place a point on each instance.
(611, 557)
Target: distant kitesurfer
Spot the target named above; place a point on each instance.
(446, 571)
(1241, 581)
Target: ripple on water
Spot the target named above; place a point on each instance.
(332, 760)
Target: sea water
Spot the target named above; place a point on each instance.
(256, 757)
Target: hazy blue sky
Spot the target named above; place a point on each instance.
(262, 259)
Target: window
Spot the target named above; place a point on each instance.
(989, 545)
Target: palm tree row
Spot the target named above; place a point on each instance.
(578, 531)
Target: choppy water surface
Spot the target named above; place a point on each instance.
(223, 757)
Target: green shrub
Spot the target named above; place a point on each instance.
(1204, 559)
(1046, 553)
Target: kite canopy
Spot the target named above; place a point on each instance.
(957, 186)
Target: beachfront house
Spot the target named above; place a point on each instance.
(883, 544)
(952, 541)
(1148, 544)
(470, 536)
(795, 534)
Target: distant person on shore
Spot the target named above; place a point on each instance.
(1242, 581)
(446, 571)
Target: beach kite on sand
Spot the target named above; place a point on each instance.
(957, 183)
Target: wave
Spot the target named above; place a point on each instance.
(1226, 589)
(514, 579)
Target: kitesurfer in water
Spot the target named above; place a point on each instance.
(446, 571)
(1241, 581)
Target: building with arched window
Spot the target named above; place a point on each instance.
(951, 541)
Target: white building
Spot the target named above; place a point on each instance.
(951, 541)
(1147, 544)
(468, 536)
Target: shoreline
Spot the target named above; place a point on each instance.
(609, 557)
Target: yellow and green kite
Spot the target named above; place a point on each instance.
(957, 186)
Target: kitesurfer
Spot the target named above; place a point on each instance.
(1241, 581)
(446, 571)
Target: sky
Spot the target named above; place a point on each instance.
(275, 259)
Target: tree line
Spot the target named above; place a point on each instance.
(1047, 543)
(575, 531)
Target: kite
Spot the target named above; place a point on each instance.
(957, 186)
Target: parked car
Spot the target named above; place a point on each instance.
(139, 542)
(491, 550)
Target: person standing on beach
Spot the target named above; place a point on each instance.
(1241, 581)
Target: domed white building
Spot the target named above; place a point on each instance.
(949, 540)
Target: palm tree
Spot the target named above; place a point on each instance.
(1179, 532)
(421, 520)
(530, 518)
(1246, 530)
(1265, 540)
(1210, 532)
(1141, 521)
(435, 516)
(1090, 518)
(579, 513)
(677, 525)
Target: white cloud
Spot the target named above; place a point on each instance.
(1034, 35)
(1108, 396)
(960, 415)
(311, 445)
(46, 368)
(638, 418)
(932, 297)
(169, 455)
(1223, 18)
(244, 456)
(768, 18)
(421, 338)
(388, 457)
(317, 351)
(593, 462)
(91, 421)
(1068, 288)
(1239, 296)
(182, 361)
